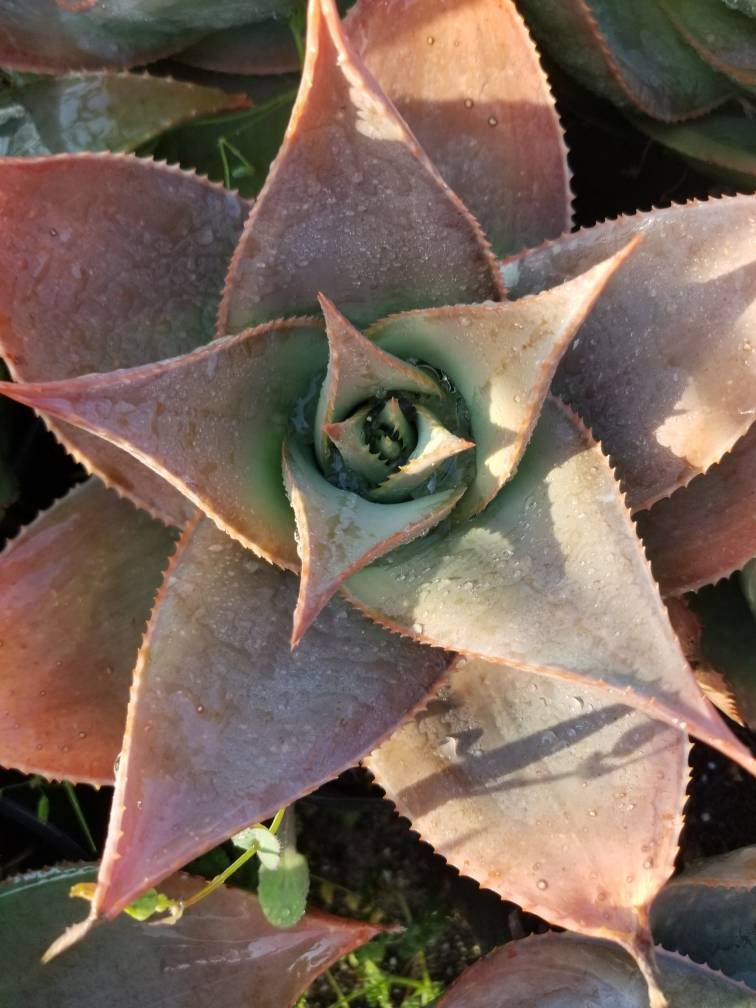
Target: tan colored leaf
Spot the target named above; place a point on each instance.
(550, 793)
(226, 724)
(550, 578)
(77, 587)
(665, 388)
(352, 207)
(467, 79)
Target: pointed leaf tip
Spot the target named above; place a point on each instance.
(352, 206)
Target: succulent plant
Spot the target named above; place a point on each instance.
(684, 71)
(400, 541)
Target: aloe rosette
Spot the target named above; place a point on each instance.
(400, 540)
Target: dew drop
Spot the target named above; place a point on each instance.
(592, 813)
(200, 708)
(430, 40)
(648, 863)
(493, 121)
(542, 884)
(469, 103)
(82, 734)
(417, 628)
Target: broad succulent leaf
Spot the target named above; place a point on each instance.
(99, 111)
(468, 81)
(707, 529)
(633, 48)
(266, 47)
(709, 914)
(723, 37)
(501, 358)
(550, 578)
(84, 285)
(226, 724)
(565, 971)
(352, 207)
(728, 642)
(212, 423)
(550, 793)
(664, 392)
(77, 587)
(222, 954)
(720, 144)
(60, 35)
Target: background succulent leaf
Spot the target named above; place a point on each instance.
(236, 148)
(60, 35)
(550, 793)
(100, 111)
(84, 285)
(653, 66)
(722, 144)
(648, 373)
(211, 422)
(502, 358)
(707, 529)
(709, 914)
(352, 207)
(488, 124)
(266, 47)
(567, 971)
(77, 587)
(728, 641)
(722, 36)
(557, 553)
(227, 724)
(219, 954)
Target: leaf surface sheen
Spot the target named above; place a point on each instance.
(211, 423)
(467, 79)
(101, 111)
(709, 913)
(85, 284)
(352, 207)
(567, 971)
(665, 393)
(53, 36)
(723, 37)
(550, 793)
(226, 724)
(707, 529)
(550, 578)
(502, 358)
(221, 954)
(77, 588)
(266, 47)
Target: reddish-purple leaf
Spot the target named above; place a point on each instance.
(352, 207)
(264, 48)
(223, 953)
(211, 423)
(550, 578)
(77, 588)
(468, 81)
(226, 724)
(339, 532)
(109, 261)
(707, 529)
(664, 369)
(550, 793)
(502, 358)
(566, 971)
